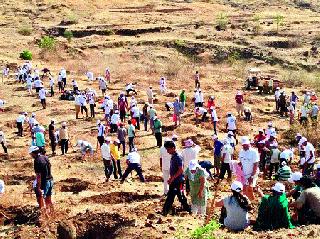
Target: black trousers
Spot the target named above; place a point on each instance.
(108, 168)
(138, 122)
(64, 146)
(225, 167)
(272, 166)
(114, 164)
(51, 91)
(53, 144)
(100, 140)
(119, 168)
(159, 139)
(92, 113)
(84, 108)
(122, 115)
(131, 144)
(64, 81)
(113, 128)
(137, 168)
(5, 149)
(20, 128)
(175, 190)
(123, 143)
(60, 86)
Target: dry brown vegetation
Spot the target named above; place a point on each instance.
(141, 40)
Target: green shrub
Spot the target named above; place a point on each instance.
(205, 232)
(222, 21)
(25, 31)
(47, 43)
(234, 57)
(278, 20)
(109, 32)
(26, 55)
(256, 27)
(72, 18)
(179, 43)
(68, 34)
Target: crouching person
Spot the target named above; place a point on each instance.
(134, 163)
(85, 148)
(197, 187)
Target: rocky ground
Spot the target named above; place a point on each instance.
(141, 41)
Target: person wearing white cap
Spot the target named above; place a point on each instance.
(152, 113)
(64, 138)
(196, 178)
(91, 96)
(273, 210)
(85, 147)
(130, 87)
(135, 111)
(108, 107)
(277, 97)
(63, 74)
(165, 158)
(196, 78)
(303, 114)
(249, 160)
(270, 130)
(20, 121)
(134, 163)
(310, 157)
(163, 85)
(32, 120)
(114, 122)
(237, 208)
(106, 157)
(286, 156)
(150, 95)
(77, 104)
(190, 152)
(83, 103)
(197, 98)
(284, 172)
(214, 118)
(90, 76)
(44, 180)
(101, 132)
(3, 142)
(230, 138)
(227, 155)
(231, 124)
(239, 103)
(297, 189)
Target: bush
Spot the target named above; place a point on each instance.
(47, 43)
(25, 31)
(68, 34)
(222, 21)
(179, 43)
(278, 20)
(109, 32)
(26, 55)
(205, 232)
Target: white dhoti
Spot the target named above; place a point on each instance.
(166, 175)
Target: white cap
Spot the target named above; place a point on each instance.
(1, 186)
(273, 134)
(230, 132)
(116, 141)
(270, 124)
(260, 130)
(237, 186)
(108, 139)
(174, 136)
(226, 142)
(298, 135)
(214, 136)
(188, 143)
(279, 187)
(33, 149)
(98, 121)
(303, 140)
(239, 92)
(64, 124)
(296, 176)
(79, 142)
(278, 88)
(193, 164)
(166, 140)
(33, 114)
(1, 133)
(262, 142)
(318, 166)
(245, 140)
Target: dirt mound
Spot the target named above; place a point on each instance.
(153, 178)
(99, 225)
(74, 185)
(28, 215)
(119, 197)
(17, 179)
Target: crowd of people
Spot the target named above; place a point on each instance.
(294, 198)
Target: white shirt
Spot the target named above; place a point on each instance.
(214, 115)
(269, 131)
(21, 119)
(32, 120)
(105, 151)
(162, 82)
(42, 94)
(74, 83)
(197, 97)
(231, 121)
(115, 118)
(150, 93)
(101, 130)
(51, 83)
(310, 149)
(82, 100)
(102, 83)
(91, 96)
(304, 111)
(286, 154)
(77, 100)
(129, 86)
(189, 154)
(29, 80)
(201, 97)
(134, 157)
(1, 103)
(231, 141)
(63, 73)
(277, 94)
(227, 149)
(37, 83)
(90, 75)
(165, 159)
(135, 112)
(248, 158)
(202, 110)
(133, 102)
(1, 186)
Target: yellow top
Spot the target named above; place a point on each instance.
(115, 152)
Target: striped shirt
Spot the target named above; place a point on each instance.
(284, 173)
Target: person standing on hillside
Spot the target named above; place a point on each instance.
(122, 133)
(102, 85)
(52, 137)
(158, 131)
(145, 115)
(214, 118)
(217, 147)
(64, 138)
(294, 99)
(90, 77)
(101, 133)
(277, 97)
(150, 95)
(175, 181)
(3, 142)
(249, 160)
(131, 135)
(190, 152)
(152, 114)
(83, 103)
(116, 158)
(165, 158)
(20, 122)
(44, 180)
(42, 96)
(227, 156)
(283, 104)
(176, 112)
(51, 85)
(63, 74)
(91, 96)
(197, 80)
(239, 103)
(122, 106)
(231, 124)
(108, 75)
(136, 115)
(163, 85)
(106, 157)
(183, 99)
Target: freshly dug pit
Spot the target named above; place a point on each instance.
(118, 197)
(74, 185)
(17, 179)
(28, 215)
(99, 225)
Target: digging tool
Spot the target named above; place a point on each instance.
(212, 206)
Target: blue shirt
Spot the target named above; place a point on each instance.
(217, 148)
(176, 107)
(176, 163)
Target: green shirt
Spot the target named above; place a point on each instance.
(194, 182)
(157, 126)
(152, 113)
(40, 141)
(183, 97)
(131, 130)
